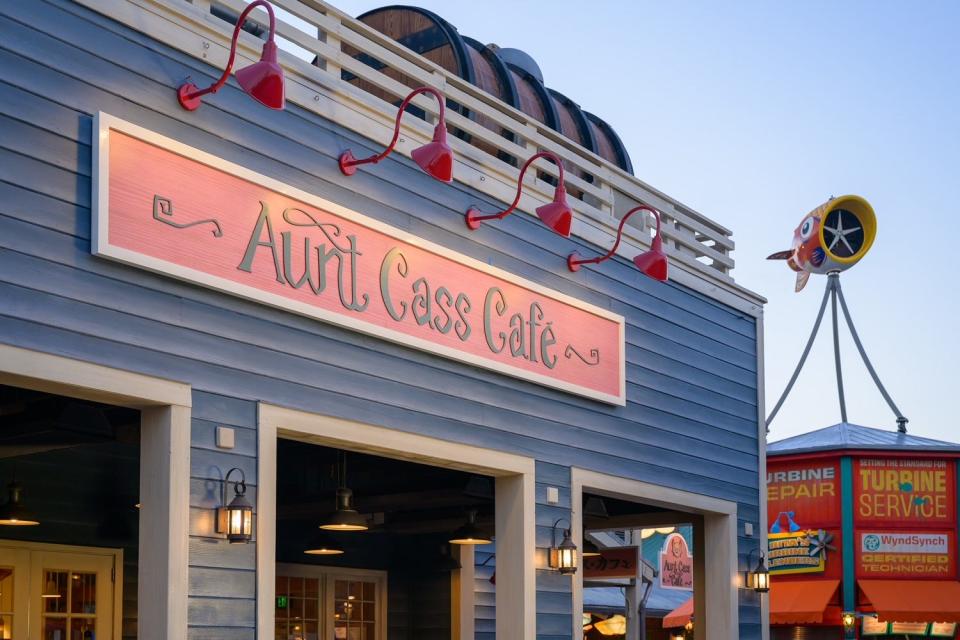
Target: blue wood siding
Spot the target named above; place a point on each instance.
(691, 419)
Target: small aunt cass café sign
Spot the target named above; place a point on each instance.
(172, 209)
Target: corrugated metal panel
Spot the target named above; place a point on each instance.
(853, 436)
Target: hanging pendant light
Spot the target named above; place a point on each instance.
(590, 548)
(470, 533)
(345, 518)
(13, 513)
(51, 590)
(321, 545)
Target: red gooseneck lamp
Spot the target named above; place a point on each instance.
(435, 157)
(556, 215)
(262, 80)
(652, 263)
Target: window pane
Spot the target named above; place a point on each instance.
(6, 626)
(280, 631)
(311, 588)
(83, 593)
(356, 591)
(54, 592)
(340, 590)
(296, 586)
(6, 592)
(340, 631)
(370, 591)
(296, 608)
(82, 628)
(54, 628)
(311, 608)
(369, 612)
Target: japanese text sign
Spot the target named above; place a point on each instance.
(619, 562)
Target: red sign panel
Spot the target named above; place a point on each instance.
(802, 495)
(905, 492)
(676, 563)
(905, 554)
(172, 209)
(621, 562)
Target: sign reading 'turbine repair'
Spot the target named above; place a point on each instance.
(175, 210)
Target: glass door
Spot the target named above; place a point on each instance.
(54, 592)
(14, 593)
(326, 603)
(75, 596)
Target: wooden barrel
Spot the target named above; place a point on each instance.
(508, 74)
(609, 145)
(425, 33)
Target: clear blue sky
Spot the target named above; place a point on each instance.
(753, 113)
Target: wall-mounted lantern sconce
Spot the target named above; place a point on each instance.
(345, 517)
(557, 215)
(849, 620)
(263, 80)
(235, 519)
(13, 513)
(652, 263)
(689, 626)
(759, 578)
(470, 533)
(563, 556)
(435, 157)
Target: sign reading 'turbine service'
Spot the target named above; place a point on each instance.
(905, 490)
(178, 211)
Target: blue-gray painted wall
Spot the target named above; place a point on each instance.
(691, 418)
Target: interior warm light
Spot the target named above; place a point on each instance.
(615, 625)
(563, 556)
(435, 157)
(13, 513)
(235, 519)
(470, 533)
(557, 214)
(263, 80)
(652, 263)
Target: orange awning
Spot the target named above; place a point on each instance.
(801, 601)
(914, 600)
(679, 616)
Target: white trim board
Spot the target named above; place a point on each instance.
(515, 503)
(164, 405)
(715, 538)
(101, 246)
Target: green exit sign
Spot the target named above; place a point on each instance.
(282, 602)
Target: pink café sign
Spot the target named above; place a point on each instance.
(172, 209)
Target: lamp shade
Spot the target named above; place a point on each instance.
(653, 263)
(13, 513)
(557, 215)
(436, 157)
(263, 80)
(590, 549)
(321, 545)
(470, 533)
(345, 518)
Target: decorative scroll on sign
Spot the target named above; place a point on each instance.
(164, 206)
